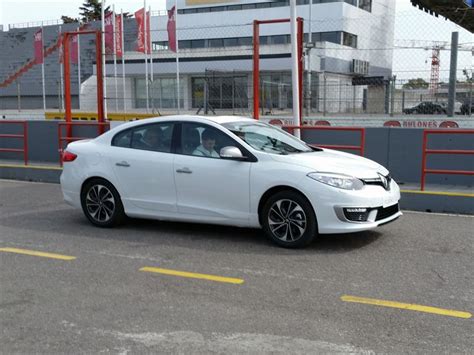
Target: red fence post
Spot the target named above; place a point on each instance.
(362, 142)
(426, 151)
(25, 142)
(423, 160)
(23, 136)
(360, 147)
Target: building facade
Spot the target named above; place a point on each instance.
(342, 38)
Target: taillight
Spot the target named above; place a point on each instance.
(68, 156)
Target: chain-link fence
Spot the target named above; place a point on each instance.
(364, 63)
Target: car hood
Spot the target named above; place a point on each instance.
(333, 161)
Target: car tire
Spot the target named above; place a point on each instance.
(288, 219)
(101, 203)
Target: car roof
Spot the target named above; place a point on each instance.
(181, 118)
(186, 118)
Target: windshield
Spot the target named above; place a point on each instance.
(267, 138)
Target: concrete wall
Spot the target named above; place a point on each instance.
(397, 149)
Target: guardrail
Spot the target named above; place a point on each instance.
(360, 148)
(426, 152)
(23, 136)
(69, 139)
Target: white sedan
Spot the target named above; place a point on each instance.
(230, 171)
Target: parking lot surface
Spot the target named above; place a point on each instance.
(66, 286)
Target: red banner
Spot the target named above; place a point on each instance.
(75, 49)
(118, 36)
(109, 33)
(139, 15)
(38, 38)
(172, 29)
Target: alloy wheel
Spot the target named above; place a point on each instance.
(287, 220)
(100, 203)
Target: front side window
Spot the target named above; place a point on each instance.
(203, 141)
(267, 138)
(153, 137)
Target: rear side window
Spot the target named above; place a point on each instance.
(154, 137)
(123, 139)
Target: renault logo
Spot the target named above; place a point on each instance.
(384, 181)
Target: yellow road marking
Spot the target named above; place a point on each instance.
(439, 193)
(37, 253)
(37, 167)
(193, 275)
(407, 306)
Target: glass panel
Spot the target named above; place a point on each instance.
(154, 137)
(245, 41)
(267, 138)
(198, 43)
(348, 39)
(334, 37)
(366, 5)
(216, 43)
(231, 42)
(202, 140)
(281, 39)
(122, 139)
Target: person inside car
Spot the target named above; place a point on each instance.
(151, 140)
(208, 142)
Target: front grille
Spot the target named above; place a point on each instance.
(383, 213)
(378, 182)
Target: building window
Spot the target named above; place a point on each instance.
(216, 43)
(280, 39)
(366, 5)
(231, 42)
(333, 37)
(348, 39)
(162, 93)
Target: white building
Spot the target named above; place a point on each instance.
(350, 39)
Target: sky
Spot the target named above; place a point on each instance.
(411, 23)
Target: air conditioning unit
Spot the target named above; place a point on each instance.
(360, 67)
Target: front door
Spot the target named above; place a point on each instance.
(207, 186)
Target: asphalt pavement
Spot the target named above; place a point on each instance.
(151, 286)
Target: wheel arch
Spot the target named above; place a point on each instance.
(90, 178)
(276, 189)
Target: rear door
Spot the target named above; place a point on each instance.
(142, 162)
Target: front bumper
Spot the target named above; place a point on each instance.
(331, 205)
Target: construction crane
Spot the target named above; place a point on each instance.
(435, 63)
(436, 47)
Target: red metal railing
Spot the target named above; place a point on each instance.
(69, 125)
(360, 148)
(23, 136)
(426, 151)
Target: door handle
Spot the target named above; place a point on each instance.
(184, 171)
(123, 163)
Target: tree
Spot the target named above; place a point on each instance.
(67, 19)
(91, 11)
(418, 83)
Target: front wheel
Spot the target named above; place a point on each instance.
(288, 219)
(101, 203)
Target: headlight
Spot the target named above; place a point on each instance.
(340, 181)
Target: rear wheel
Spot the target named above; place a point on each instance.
(101, 203)
(288, 220)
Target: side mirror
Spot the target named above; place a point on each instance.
(232, 153)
